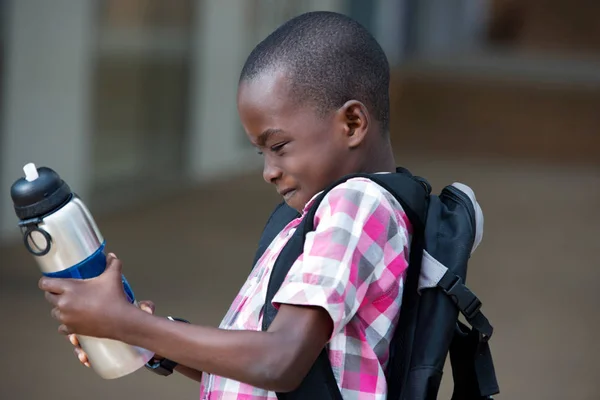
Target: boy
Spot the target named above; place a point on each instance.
(313, 98)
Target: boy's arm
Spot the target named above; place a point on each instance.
(275, 360)
(189, 372)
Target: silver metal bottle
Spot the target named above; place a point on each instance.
(61, 234)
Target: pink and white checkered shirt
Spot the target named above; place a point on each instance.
(353, 266)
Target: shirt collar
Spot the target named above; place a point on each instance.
(312, 199)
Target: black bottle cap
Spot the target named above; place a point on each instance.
(39, 193)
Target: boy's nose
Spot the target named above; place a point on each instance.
(271, 173)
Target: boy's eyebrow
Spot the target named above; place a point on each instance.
(266, 135)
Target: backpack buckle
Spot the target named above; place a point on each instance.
(465, 300)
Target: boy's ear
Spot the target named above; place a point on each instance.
(354, 117)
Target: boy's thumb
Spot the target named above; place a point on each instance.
(113, 265)
(147, 305)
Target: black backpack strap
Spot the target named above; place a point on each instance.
(467, 302)
(319, 383)
(470, 355)
(472, 365)
(412, 194)
(280, 217)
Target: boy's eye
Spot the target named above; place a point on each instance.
(274, 149)
(278, 147)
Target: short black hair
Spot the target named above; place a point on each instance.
(331, 59)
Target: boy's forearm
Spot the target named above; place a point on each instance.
(189, 372)
(256, 358)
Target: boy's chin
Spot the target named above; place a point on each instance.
(294, 200)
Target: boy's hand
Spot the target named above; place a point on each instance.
(92, 307)
(147, 306)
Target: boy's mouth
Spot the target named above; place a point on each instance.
(287, 193)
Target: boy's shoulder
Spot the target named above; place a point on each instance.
(359, 198)
(360, 191)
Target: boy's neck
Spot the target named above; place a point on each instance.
(381, 161)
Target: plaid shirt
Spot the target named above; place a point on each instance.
(353, 266)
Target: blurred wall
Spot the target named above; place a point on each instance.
(46, 93)
(526, 88)
(547, 25)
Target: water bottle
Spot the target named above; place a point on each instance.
(60, 233)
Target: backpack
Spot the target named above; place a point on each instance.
(446, 230)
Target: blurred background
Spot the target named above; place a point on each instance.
(133, 103)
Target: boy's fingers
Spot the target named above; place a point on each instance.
(73, 340)
(64, 330)
(81, 356)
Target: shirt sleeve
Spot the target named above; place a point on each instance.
(358, 252)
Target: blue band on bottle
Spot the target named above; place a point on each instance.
(91, 267)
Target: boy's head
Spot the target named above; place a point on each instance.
(314, 98)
